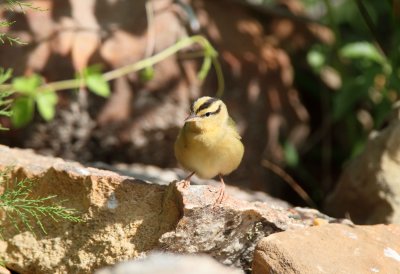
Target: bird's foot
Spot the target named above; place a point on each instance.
(221, 192)
(221, 196)
(185, 184)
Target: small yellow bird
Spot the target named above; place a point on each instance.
(208, 144)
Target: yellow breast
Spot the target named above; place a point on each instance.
(209, 153)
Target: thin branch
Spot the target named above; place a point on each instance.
(288, 179)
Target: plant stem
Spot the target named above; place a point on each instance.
(185, 42)
(114, 74)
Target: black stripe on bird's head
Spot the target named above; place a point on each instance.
(205, 107)
(203, 103)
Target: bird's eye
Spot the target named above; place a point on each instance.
(208, 114)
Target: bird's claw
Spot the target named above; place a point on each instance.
(221, 197)
(185, 184)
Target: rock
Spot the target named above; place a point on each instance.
(169, 263)
(229, 232)
(330, 249)
(164, 176)
(4, 270)
(125, 218)
(369, 188)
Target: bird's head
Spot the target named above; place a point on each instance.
(206, 114)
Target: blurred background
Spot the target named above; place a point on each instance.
(306, 81)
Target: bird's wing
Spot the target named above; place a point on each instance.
(232, 125)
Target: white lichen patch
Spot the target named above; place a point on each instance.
(112, 202)
(374, 269)
(350, 235)
(391, 253)
(82, 171)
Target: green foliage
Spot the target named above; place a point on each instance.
(27, 85)
(18, 204)
(22, 110)
(366, 58)
(290, 154)
(4, 37)
(351, 85)
(13, 5)
(29, 95)
(316, 59)
(96, 82)
(147, 74)
(5, 101)
(31, 90)
(363, 51)
(46, 102)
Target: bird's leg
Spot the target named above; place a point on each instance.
(221, 192)
(186, 182)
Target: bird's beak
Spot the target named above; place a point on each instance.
(191, 118)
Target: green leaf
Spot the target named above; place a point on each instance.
(95, 81)
(290, 153)
(27, 85)
(5, 75)
(146, 74)
(22, 111)
(46, 102)
(352, 93)
(98, 85)
(315, 59)
(357, 148)
(362, 50)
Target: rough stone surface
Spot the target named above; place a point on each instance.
(330, 249)
(164, 176)
(169, 263)
(369, 188)
(4, 270)
(125, 218)
(230, 231)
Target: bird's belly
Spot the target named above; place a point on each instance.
(207, 161)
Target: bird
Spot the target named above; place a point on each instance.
(209, 144)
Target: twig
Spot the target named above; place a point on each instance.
(288, 179)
